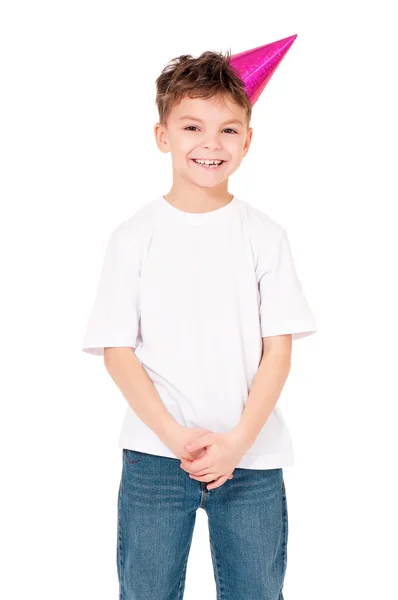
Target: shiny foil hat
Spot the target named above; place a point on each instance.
(255, 67)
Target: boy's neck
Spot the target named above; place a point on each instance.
(197, 203)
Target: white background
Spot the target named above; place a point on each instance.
(78, 156)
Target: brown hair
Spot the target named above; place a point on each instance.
(207, 76)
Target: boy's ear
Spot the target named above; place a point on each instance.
(161, 138)
(248, 141)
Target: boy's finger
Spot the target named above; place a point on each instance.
(200, 442)
(217, 483)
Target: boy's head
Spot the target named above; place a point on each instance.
(204, 113)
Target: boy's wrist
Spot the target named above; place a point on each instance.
(167, 428)
(242, 437)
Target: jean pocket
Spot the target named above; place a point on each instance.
(132, 456)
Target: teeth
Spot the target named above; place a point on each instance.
(208, 162)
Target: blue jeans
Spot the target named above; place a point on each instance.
(248, 530)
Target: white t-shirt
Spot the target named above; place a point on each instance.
(194, 293)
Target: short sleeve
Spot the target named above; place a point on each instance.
(283, 306)
(115, 315)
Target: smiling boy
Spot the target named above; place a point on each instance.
(197, 187)
(196, 309)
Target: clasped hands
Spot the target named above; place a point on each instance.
(223, 452)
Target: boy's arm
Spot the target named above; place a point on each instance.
(267, 386)
(139, 391)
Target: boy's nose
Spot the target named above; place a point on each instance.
(212, 144)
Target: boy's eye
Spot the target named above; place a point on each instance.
(194, 127)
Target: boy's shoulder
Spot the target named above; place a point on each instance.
(262, 226)
(135, 226)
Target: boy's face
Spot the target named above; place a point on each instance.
(205, 129)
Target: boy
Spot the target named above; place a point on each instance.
(195, 312)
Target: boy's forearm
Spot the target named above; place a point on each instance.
(139, 391)
(267, 386)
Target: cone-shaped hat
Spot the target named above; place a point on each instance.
(256, 67)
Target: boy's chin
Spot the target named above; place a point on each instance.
(207, 184)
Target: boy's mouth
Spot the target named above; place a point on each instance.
(208, 164)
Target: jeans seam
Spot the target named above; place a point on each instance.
(220, 592)
(119, 545)
(285, 529)
(182, 578)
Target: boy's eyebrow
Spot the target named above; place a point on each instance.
(200, 120)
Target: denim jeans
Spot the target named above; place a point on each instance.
(247, 521)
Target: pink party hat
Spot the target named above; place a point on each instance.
(256, 67)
